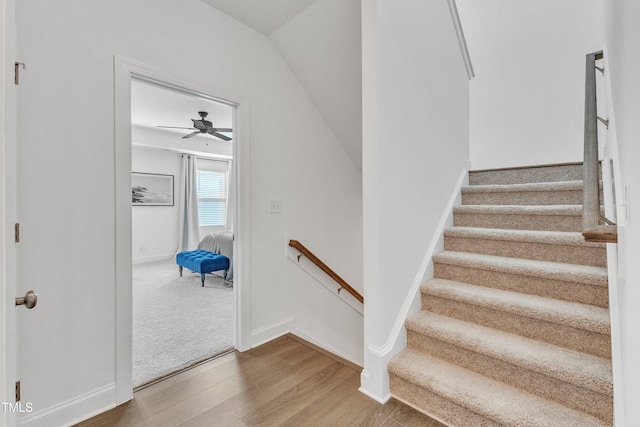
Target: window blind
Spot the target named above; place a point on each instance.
(212, 198)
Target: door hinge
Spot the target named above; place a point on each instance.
(17, 232)
(17, 391)
(17, 71)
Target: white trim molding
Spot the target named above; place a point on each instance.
(616, 204)
(466, 57)
(272, 331)
(317, 341)
(74, 410)
(124, 70)
(153, 258)
(377, 357)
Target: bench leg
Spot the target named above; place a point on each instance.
(180, 267)
(202, 277)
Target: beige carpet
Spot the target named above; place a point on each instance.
(514, 328)
(176, 321)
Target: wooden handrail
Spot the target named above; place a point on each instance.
(593, 227)
(314, 259)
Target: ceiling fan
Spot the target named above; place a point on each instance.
(203, 126)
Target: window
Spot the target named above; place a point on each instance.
(211, 183)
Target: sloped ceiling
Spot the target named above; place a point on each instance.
(265, 16)
(320, 40)
(323, 48)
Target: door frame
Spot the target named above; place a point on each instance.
(8, 211)
(125, 70)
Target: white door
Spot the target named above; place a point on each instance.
(64, 187)
(8, 330)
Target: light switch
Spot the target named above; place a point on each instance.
(276, 206)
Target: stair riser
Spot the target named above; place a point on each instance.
(519, 222)
(554, 173)
(566, 291)
(436, 406)
(553, 333)
(576, 397)
(568, 197)
(583, 255)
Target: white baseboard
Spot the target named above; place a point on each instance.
(365, 388)
(152, 258)
(74, 410)
(272, 331)
(316, 341)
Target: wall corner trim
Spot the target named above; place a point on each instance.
(306, 336)
(272, 331)
(461, 39)
(374, 379)
(386, 349)
(382, 401)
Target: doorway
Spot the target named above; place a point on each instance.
(127, 71)
(177, 322)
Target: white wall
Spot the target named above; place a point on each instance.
(155, 228)
(323, 47)
(527, 99)
(415, 128)
(623, 57)
(66, 185)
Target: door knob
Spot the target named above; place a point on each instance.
(29, 300)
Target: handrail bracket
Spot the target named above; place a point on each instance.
(603, 121)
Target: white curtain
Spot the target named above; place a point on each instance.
(189, 231)
(231, 191)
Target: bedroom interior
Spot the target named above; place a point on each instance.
(182, 196)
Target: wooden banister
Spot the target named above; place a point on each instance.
(314, 259)
(594, 228)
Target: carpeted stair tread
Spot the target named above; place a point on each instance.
(557, 210)
(582, 274)
(556, 246)
(529, 187)
(573, 314)
(545, 193)
(567, 238)
(553, 193)
(527, 174)
(581, 369)
(520, 216)
(492, 399)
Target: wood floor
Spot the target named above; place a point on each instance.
(282, 383)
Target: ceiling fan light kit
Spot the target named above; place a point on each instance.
(202, 126)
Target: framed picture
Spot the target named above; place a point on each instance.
(150, 189)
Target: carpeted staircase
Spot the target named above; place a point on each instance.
(514, 328)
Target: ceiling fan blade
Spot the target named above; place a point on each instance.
(218, 135)
(199, 124)
(192, 134)
(223, 129)
(172, 127)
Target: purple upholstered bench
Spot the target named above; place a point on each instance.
(203, 262)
